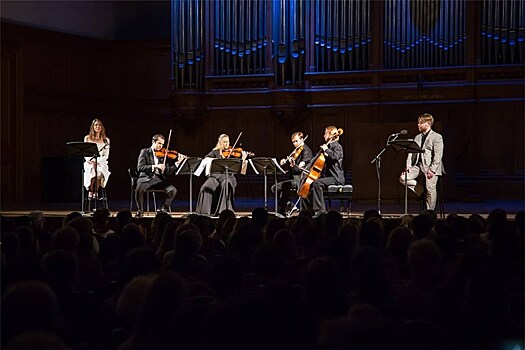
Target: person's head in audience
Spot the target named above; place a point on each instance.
(325, 290)
(496, 222)
(259, 217)
(406, 220)
(132, 237)
(371, 234)
(477, 224)
(370, 213)
(61, 269)
(398, 242)
(86, 243)
(203, 223)
(139, 261)
(101, 220)
(36, 219)
(424, 261)
(285, 243)
(166, 298)
(131, 299)
(124, 217)
(66, 238)
(333, 220)
(431, 214)
(422, 226)
(27, 306)
(273, 226)
(69, 217)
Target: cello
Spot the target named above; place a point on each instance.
(316, 168)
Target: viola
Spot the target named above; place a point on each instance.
(235, 153)
(170, 154)
(295, 154)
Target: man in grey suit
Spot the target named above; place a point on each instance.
(426, 164)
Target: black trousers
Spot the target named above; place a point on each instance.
(283, 192)
(155, 184)
(315, 200)
(220, 186)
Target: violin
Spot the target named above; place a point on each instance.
(235, 153)
(295, 153)
(170, 154)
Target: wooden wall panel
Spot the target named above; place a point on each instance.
(66, 81)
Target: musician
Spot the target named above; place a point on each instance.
(153, 172)
(427, 164)
(218, 183)
(296, 164)
(94, 179)
(332, 172)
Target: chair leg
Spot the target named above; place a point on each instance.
(154, 202)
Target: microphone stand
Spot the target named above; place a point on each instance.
(377, 160)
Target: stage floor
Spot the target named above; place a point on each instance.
(244, 207)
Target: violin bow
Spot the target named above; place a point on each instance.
(167, 147)
(235, 144)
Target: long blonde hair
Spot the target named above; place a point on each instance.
(218, 145)
(92, 135)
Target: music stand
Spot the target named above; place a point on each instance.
(225, 166)
(268, 166)
(187, 167)
(409, 146)
(83, 149)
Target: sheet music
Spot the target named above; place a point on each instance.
(181, 166)
(205, 164)
(274, 162)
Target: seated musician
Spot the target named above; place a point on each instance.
(216, 184)
(152, 172)
(332, 174)
(300, 157)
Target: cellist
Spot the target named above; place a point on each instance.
(332, 174)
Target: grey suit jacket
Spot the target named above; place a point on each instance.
(431, 159)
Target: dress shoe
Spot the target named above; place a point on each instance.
(138, 214)
(319, 213)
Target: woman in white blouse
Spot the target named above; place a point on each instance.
(96, 171)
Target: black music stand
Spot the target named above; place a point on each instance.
(409, 146)
(83, 149)
(225, 166)
(187, 167)
(268, 166)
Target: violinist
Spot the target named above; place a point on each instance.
(153, 171)
(218, 182)
(332, 172)
(297, 160)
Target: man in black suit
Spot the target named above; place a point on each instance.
(152, 172)
(301, 156)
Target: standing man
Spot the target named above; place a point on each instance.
(152, 172)
(427, 164)
(332, 173)
(297, 160)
